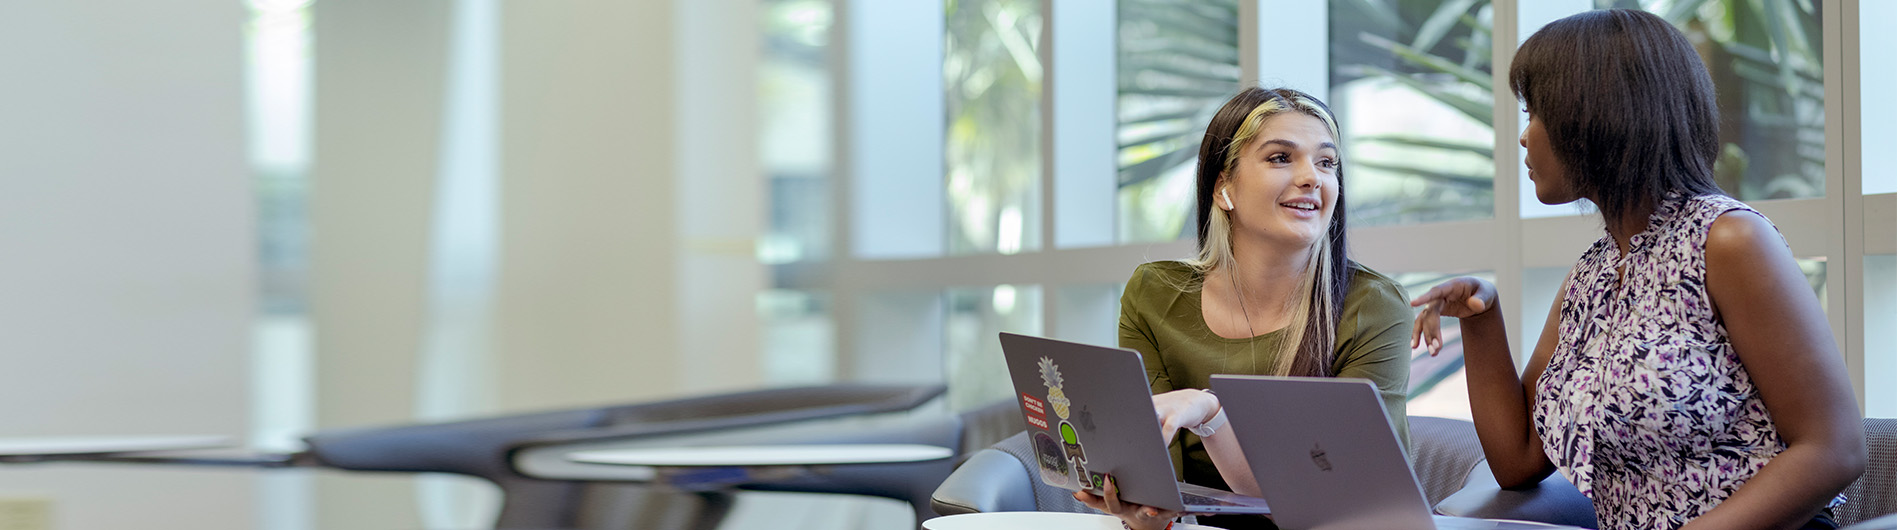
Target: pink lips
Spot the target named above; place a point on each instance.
(1302, 213)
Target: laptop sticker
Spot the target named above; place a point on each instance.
(1054, 465)
(1098, 482)
(1033, 412)
(1072, 444)
(1052, 378)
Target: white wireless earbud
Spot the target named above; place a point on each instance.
(1229, 199)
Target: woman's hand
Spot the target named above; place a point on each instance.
(1135, 516)
(1461, 297)
(1180, 409)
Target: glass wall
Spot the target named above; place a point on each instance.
(798, 340)
(1177, 62)
(973, 357)
(1411, 83)
(992, 79)
(795, 129)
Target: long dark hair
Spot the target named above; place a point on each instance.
(1232, 128)
(1627, 104)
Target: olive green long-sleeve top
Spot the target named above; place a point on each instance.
(1163, 321)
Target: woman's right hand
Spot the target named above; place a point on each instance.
(1461, 297)
(1134, 516)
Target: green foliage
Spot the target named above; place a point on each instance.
(1177, 62)
(1441, 51)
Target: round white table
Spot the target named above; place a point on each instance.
(717, 467)
(1035, 521)
(764, 455)
(29, 448)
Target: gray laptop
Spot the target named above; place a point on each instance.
(1327, 457)
(1090, 417)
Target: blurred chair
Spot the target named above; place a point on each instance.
(485, 448)
(1002, 477)
(1871, 496)
(1555, 500)
(664, 502)
(1884, 522)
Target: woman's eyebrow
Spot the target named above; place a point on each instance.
(1289, 144)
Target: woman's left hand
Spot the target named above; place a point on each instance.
(1135, 516)
(1180, 409)
(1461, 297)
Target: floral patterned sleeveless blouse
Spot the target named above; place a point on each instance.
(1644, 405)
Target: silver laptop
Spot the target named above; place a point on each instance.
(1327, 457)
(1090, 417)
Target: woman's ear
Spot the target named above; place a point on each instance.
(1222, 199)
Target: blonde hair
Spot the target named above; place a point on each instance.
(1312, 317)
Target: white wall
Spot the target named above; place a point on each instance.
(585, 308)
(379, 78)
(126, 253)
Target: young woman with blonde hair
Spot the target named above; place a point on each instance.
(1270, 292)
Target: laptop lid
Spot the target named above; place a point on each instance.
(1090, 416)
(1323, 452)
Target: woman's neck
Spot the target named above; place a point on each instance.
(1633, 222)
(1268, 275)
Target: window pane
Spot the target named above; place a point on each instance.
(1765, 58)
(1816, 271)
(799, 344)
(1879, 142)
(1438, 382)
(897, 337)
(795, 129)
(1177, 61)
(973, 356)
(1088, 313)
(1879, 366)
(1411, 83)
(993, 138)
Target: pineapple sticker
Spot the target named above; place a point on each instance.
(1052, 378)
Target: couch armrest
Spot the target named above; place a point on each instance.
(1553, 501)
(990, 481)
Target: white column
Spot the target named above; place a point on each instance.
(587, 311)
(379, 76)
(126, 219)
(721, 201)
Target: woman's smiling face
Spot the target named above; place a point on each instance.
(1285, 184)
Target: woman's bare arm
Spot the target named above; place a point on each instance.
(1778, 329)
(1500, 399)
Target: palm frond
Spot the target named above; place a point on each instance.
(1476, 109)
(1442, 177)
(1429, 61)
(1418, 141)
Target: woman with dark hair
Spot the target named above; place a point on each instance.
(1686, 376)
(1270, 292)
